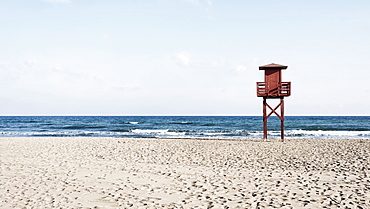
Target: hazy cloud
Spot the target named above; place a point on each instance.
(30, 62)
(218, 64)
(241, 69)
(195, 2)
(106, 36)
(58, 1)
(183, 59)
(57, 68)
(206, 4)
(4, 64)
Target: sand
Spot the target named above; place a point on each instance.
(183, 173)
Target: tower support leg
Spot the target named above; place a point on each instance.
(264, 119)
(282, 118)
(273, 111)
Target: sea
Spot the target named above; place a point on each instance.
(205, 127)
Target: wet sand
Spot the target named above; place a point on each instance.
(183, 173)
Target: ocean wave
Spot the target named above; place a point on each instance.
(180, 131)
(325, 134)
(130, 122)
(157, 132)
(181, 123)
(50, 134)
(121, 130)
(168, 133)
(76, 127)
(325, 128)
(209, 124)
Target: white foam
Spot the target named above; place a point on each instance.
(214, 134)
(328, 133)
(293, 134)
(314, 134)
(157, 132)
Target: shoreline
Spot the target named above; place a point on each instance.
(277, 139)
(115, 172)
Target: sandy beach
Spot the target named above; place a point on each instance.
(183, 173)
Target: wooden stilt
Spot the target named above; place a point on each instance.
(282, 118)
(264, 119)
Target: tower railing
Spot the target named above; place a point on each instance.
(281, 91)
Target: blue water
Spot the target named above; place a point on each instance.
(230, 127)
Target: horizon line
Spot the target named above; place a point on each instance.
(4, 115)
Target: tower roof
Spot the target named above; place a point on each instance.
(272, 65)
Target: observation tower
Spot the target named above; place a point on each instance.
(273, 88)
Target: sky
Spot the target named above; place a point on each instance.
(181, 57)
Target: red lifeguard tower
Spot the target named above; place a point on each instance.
(273, 88)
